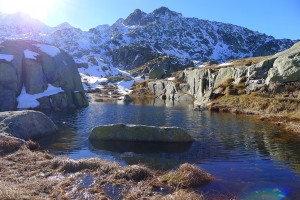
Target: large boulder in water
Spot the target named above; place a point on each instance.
(26, 124)
(139, 133)
(32, 68)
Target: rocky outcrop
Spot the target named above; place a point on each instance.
(232, 78)
(163, 66)
(168, 90)
(139, 133)
(132, 56)
(286, 67)
(29, 68)
(26, 124)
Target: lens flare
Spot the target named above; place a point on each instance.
(38, 9)
(268, 194)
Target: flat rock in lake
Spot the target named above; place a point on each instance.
(139, 133)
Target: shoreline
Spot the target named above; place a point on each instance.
(263, 108)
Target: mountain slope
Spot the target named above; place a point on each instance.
(161, 32)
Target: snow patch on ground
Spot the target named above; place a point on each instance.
(91, 82)
(30, 54)
(124, 86)
(48, 49)
(26, 100)
(6, 57)
(224, 64)
(171, 79)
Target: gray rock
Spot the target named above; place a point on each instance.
(203, 83)
(224, 74)
(26, 124)
(164, 89)
(59, 101)
(7, 99)
(254, 85)
(157, 73)
(184, 87)
(35, 74)
(127, 99)
(80, 99)
(45, 103)
(205, 98)
(286, 67)
(8, 76)
(34, 78)
(186, 98)
(139, 133)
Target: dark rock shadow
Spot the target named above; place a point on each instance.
(142, 147)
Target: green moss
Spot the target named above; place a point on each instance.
(123, 132)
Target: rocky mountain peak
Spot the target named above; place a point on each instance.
(164, 11)
(134, 18)
(18, 19)
(64, 25)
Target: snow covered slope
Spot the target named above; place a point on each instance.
(161, 32)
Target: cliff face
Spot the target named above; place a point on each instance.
(37, 75)
(245, 76)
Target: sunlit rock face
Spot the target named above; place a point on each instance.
(208, 83)
(37, 75)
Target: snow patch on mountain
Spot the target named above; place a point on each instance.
(163, 31)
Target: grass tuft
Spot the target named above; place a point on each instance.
(134, 172)
(70, 165)
(183, 194)
(32, 145)
(9, 144)
(187, 176)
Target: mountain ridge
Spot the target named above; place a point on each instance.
(165, 32)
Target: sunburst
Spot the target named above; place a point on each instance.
(38, 9)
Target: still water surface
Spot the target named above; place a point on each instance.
(251, 159)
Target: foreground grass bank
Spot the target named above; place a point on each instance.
(31, 174)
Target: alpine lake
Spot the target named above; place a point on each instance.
(250, 158)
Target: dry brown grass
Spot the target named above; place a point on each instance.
(248, 61)
(240, 62)
(134, 172)
(276, 108)
(9, 144)
(187, 176)
(32, 145)
(141, 89)
(228, 82)
(265, 105)
(29, 174)
(71, 166)
(182, 195)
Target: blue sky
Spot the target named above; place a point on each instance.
(279, 18)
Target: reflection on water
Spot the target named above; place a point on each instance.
(141, 147)
(246, 155)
